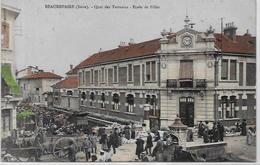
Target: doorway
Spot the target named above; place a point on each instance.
(187, 111)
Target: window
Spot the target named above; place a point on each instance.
(186, 69)
(233, 69)
(148, 73)
(110, 76)
(115, 74)
(224, 70)
(87, 77)
(224, 105)
(6, 123)
(80, 78)
(5, 35)
(102, 75)
(92, 98)
(83, 97)
(241, 73)
(232, 105)
(250, 74)
(83, 77)
(70, 93)
(153, 71)
(137, 80)
(130, 102)
(115, 101)
(96, 78)
(103, 98)
(92, 76)
(152, 102)
(148, 99)
(130, 72)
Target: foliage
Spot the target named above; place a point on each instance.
(9, 79)
(25, 114)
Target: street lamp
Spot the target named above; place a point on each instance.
(147, 108)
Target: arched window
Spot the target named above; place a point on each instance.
(115, 101)
(130, 102)
(232, 105)
(92, 98)
(103, 98)
(224, 105)
(83, 97)
(70, 93)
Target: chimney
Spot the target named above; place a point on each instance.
(122, 44)
(71, 66)
(131, 41)
(230, 31)
(247, 33)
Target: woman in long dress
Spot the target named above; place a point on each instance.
(250, 136)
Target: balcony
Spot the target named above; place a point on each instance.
(188, 83)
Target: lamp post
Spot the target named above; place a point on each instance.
(147, 108)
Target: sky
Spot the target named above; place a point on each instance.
(52, 39)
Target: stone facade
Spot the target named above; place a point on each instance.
(184, 75)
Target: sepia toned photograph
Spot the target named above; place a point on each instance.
(131, 81)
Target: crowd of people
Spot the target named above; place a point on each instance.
(214, 134)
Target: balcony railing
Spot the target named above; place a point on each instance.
(189, 83)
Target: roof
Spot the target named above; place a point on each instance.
(42, 75)
(69, 82)
(125, 52)
(243, 44)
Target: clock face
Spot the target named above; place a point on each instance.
(187, 40)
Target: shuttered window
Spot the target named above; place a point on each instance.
(250, 74)
(241, 76)
(233, 69)
(5, 35)
(224, 69)
(186, 69)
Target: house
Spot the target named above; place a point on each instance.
(10, 91)
(65, 94)
(199, 76)
(27, 71)
(35, 86)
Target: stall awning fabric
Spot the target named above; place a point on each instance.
(6, 74)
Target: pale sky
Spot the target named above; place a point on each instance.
(55, 38)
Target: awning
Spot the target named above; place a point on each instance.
(9, 79)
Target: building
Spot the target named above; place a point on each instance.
(10, 90)
(65, 93)
(36, 86)
(200, 76)
(27, 71)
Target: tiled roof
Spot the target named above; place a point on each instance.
(243, 44)
(42, 75)
(134, 50)
(69, 82)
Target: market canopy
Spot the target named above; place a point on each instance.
(9, 78)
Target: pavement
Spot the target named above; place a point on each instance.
(236, 148)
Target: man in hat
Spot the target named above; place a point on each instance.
(149, 144)
(87, 147)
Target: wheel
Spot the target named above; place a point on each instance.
(60, 145)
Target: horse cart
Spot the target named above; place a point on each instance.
(41, 148)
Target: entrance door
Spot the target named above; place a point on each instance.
(187, 111)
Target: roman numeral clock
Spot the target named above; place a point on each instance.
(187, 41)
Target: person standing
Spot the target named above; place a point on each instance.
(149, 144)
(243, 127)
(104, 142)
(139, 147)
(93, 140)
(88, 148)
(221, 131)
(114, 140)
(158, 151)
(206, 133)
(127, 132)
(237, 124)
(71, 152)
(215, 132)
(250, 136)
(200, 129)
(133, 132)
